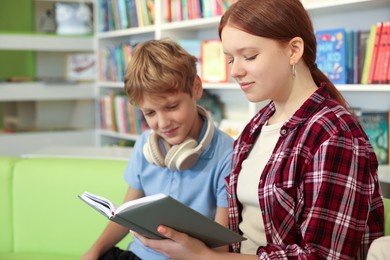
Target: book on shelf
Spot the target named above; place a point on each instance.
(369, 53)
(118, 115)
(180, 10)
(214, 62)
(363, 38)
(377, 62)
(383, 56)
(331, 54)
(376, 125)
(131, 13)
(122, 14)
(373, 73)
(144, 215)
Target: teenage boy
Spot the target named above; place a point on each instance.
(183, 155)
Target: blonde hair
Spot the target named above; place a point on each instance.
(159, 67)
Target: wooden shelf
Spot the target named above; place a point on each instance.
(25, 142)
(41, 91)
(41, 42)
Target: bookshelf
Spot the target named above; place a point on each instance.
(48, 110)
(326, 14)
(351, 14)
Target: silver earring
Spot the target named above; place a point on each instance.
(294, 71)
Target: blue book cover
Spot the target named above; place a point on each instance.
(331, 54)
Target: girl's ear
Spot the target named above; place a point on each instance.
(297, 48)
(197, 89)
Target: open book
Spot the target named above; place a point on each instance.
(144, 215)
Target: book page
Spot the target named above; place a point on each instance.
(139, 202)
(103, 205)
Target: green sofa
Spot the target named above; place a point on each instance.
(41, 217)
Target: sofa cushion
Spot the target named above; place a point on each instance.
(48, 215)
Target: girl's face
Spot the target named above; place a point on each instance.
(172, 117)
(260, 65)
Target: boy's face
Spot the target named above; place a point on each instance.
(174, 117)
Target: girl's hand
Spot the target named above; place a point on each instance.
(178, 246)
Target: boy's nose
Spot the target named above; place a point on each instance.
(163, 121)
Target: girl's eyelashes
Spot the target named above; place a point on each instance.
(251, 57)
(231, 60)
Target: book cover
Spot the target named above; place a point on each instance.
(376, 126)
(214, 62)
(331, 54)
(144, 215)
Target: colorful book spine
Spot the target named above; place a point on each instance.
(369, 53)
(371, 75)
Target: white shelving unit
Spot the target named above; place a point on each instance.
(351, 14)
(59, 113)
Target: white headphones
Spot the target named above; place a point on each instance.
(181, 156)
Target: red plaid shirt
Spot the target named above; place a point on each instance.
(319, 193)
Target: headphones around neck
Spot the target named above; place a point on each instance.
(181, 156)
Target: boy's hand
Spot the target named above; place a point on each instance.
(178, 246)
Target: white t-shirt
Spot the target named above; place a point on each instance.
(252, 224)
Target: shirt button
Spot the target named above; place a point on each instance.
(283, 132)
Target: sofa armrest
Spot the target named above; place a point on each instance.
(6, 167)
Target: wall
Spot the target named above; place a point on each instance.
(16, 16)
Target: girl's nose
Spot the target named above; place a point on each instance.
(236, 70)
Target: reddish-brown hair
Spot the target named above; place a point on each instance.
(280, 20)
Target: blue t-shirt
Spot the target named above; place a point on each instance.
(201, 187)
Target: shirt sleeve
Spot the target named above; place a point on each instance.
(225, 144)
(136, 163)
